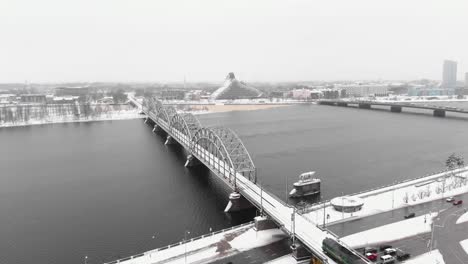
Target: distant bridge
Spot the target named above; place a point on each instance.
(396, 107)
(221, 150)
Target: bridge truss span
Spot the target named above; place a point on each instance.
(184, 126)
(221, 150)
(239, 155)
(224, 146)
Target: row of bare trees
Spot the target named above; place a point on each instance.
(449, 182)
(25, 113)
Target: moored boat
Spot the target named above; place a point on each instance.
(307, 185)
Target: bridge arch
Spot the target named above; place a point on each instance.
(164, 113)
(184, 126)
(230, 153)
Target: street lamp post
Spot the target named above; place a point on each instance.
(323, 212)
(185, 244)
(86, 259)
(293, 227)
(393, 199)
(261, 200)
(342, 206)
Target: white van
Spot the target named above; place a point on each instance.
(387, 259)
(390, 251)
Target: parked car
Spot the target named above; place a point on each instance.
(387, 259)
(457, 202)
(401, 255)
(370, 250)
(384, 247)
(450, 199)
(371, 256)
(410, 215)
(390, 251)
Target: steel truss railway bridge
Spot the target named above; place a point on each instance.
(222, 151)
(396, 107)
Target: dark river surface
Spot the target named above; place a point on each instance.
(103, 189)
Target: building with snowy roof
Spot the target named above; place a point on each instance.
(234, 89)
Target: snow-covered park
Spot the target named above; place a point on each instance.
(396, 196)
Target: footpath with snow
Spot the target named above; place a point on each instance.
(396, 196)
(211, 247)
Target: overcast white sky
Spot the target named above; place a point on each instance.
(259, 40)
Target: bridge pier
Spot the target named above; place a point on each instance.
(439, 113)
(237, 203)
(300, 252)
(364, 106)
(264, 223)
(146, 120)
(395, 109)
(192, 161)
(169, 141)
(156, 128)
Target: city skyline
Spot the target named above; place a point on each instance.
(261, 41)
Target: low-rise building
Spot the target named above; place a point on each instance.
(7, 98)
(33, 98)
(106, 100)
(430, 91)
(364, 90)
(71, 91)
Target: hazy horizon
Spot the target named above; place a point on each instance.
(52, 41)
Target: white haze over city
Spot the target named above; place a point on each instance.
(263, 40)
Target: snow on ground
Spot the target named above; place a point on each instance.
(391, 232)
(464, 245)
(115, 115)
(211, 247)
(397, 196)
(463, 218)
(252, 239)
(288, 259)
(432, 257)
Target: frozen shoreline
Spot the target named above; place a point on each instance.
(124, 115)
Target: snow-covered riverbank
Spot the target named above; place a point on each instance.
(117, 115)
(400, 195)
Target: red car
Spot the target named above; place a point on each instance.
(371, 256)
(457, 202)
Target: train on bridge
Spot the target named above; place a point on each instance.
(222, 151)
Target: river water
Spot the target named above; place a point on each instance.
(104, 189)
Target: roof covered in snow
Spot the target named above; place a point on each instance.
(234, 89)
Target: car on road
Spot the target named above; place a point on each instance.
(450, 199)
(370, 250)
(371, 256)
(410, 215)
(387, 259)
(384, 247)
(390, 251)
(401, 255)
(457, 202)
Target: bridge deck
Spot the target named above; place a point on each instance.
(399, 104)
(305, 230)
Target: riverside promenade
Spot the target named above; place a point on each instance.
(394, 196)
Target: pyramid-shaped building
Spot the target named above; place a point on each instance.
(234, 89)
